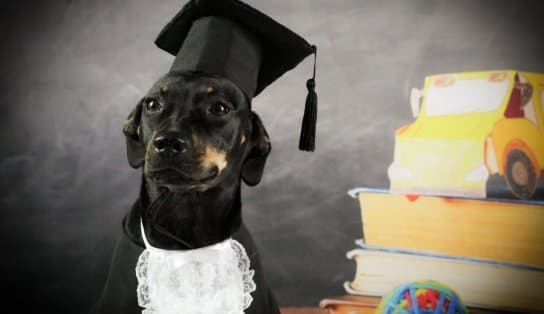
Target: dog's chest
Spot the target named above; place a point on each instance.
(213, 279)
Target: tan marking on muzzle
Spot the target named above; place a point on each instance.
(214, 157)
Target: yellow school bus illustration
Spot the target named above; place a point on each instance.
(471, 127)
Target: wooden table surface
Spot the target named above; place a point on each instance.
(302, 310)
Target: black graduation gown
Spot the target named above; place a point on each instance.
(119, 294)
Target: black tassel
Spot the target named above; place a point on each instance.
(309, 121)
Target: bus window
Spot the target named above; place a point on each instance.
(465, 96)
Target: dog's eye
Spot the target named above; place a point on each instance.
(152, 105)
(219, 109)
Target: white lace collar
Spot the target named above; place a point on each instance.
(208, 280)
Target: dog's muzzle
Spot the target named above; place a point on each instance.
(175, 162)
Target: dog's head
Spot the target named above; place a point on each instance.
(194, 131)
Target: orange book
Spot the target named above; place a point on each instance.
(351, 304)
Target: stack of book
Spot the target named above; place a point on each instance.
(476, 135)
(490, 251)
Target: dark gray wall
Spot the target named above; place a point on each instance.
(72, 71)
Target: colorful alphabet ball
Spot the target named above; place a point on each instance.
(423, 297)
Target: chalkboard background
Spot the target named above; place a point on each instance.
(72, 71)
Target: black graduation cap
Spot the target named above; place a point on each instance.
(231, 39)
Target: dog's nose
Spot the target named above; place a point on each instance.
(169, 143)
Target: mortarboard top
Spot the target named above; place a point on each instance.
(231, 39)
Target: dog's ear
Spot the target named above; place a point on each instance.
(252, 169)
(132, 131)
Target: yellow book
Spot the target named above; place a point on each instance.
(479, 283)
(502, 230)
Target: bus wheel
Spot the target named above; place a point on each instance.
(520, 174)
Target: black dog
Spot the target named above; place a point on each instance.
(197, 139)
